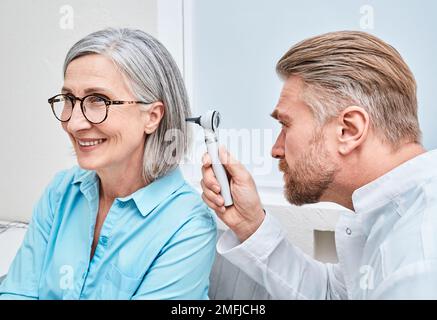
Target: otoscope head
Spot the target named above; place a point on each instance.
(210, 120)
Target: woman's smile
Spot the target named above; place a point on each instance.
(89, 144)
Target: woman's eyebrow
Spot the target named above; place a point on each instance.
(89, 90)
(96, 89)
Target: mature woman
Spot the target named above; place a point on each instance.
(124, 224)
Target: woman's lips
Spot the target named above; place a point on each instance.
(87, 145)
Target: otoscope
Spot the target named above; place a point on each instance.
(210, 121)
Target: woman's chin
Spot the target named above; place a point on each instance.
(88, 164)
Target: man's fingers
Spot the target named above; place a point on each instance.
(209, 179)
(208, 174)
(232, 165)
(213, 206)
(212, 196)
(206, 160)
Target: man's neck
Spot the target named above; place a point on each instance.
(386, 159)
(376, 163)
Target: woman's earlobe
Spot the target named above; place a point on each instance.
(154, 116)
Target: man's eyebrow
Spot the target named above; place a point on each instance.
(280, 116)
(274, 114)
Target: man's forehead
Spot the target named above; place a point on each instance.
(292, 89)
(290, 96)
(282, 107)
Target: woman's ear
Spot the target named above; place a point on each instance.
(352, 129)
(154, 115)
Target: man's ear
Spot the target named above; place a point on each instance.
(352, 129)
(153, 116)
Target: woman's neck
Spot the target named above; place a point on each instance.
(120, 181)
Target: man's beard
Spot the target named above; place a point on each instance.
(311, 175)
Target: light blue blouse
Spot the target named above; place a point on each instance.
(157, 243)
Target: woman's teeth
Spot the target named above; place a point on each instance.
(90, 143)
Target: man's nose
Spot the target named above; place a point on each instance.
(77, 121)
(278, 151)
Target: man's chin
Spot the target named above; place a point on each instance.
(300, 199)
(301, 203)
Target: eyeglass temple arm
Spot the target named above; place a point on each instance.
(129, 102)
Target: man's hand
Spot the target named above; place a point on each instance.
(246, 214)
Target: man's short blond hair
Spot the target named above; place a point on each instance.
(346, 68)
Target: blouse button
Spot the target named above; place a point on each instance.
(348, 231)
(104, 240)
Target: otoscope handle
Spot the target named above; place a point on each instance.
(219, 170)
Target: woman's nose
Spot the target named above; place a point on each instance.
(77, 121)
(278, 151)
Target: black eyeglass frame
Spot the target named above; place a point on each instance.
(73, 100)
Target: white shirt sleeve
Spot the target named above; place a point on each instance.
(283, 269)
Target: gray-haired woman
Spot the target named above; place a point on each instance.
(124, 224)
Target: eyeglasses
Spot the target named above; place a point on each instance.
(94, 107)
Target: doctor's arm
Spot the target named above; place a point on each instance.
(257, 244)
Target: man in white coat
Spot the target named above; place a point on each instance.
(350, 135)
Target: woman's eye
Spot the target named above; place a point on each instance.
(96, 100)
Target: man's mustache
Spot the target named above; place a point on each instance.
(283, 167)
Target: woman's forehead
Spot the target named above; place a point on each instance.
(91, 72)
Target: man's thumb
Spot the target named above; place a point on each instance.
(232, 166)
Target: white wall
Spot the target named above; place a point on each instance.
(235, 44)
(35, 36)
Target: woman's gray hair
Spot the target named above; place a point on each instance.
(153, 76)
